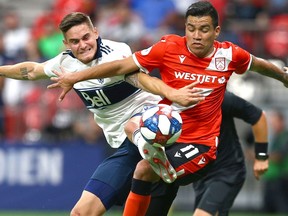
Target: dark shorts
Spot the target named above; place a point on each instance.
(213, 195)
(195, 159)
(191, 161)
(111, 181)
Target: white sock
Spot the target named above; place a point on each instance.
(139, 141)
(137, 138)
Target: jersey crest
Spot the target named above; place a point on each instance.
(220, 63)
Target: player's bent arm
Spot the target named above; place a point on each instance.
(153, 85)
(266, 68)
(260, 132)
(260, 129)
(24, 71)
(185, 96)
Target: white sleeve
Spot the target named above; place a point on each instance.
(53, 64)
(126, 50)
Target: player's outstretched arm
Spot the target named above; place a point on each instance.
(260, 132)
(108, 69)
(23, 71)
(66, 80)
(267, 68)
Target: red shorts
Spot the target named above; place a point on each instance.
(191, 161)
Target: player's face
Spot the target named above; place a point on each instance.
(82, 41)
(200, 35)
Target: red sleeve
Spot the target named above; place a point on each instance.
(242, 59)
(152, 57)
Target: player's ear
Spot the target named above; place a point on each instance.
(96, 32)
(217, 31)
(65, 43)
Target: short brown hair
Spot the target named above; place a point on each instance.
(73, 19)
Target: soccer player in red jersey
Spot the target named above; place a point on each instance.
(197, 56)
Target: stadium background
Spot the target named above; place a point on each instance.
(48, 150)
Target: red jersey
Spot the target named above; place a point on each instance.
(179, 67)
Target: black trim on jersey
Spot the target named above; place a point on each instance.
(105, 49)
(98, 54)
(99, 98)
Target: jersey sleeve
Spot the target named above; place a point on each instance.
(240, 108)
(52, 64)
(242, 59)
(150, 58)
(126, 50)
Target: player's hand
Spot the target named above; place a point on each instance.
(63, 80)
(260, 167)
(186, 96)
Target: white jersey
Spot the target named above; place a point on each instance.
(112, 100)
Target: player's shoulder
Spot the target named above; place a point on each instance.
(113, 44)
(224, 44)
(172, 38)
(114, 47)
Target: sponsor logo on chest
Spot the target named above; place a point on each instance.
(95, 98)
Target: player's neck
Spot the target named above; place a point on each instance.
(210, 54)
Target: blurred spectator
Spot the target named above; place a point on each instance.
(278, 28)
(50, 44)
(276, 7)
(153, 12)
(244, 21)
(245, 9)
(62, 116)
(32, 51)
(87, 131)
(15, 36)
(63, 7)
(48, 121)
(276, 179)
(117, 22)
(45, 32)
(3, 60)
(2, 119)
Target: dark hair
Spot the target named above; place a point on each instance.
(73, 19)
(203, 8)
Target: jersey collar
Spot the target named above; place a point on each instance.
(98, 53)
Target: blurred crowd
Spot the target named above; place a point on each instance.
(32, 114)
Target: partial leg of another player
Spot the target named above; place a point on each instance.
(111, 182)
(147, 171)
(216, 198)
(88, 204)
(162, 195)
(154, 154)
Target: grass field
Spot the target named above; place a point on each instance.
(20, 213)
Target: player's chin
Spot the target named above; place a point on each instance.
(199, 52)
(85, 58)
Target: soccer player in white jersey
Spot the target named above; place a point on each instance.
(112, 101)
